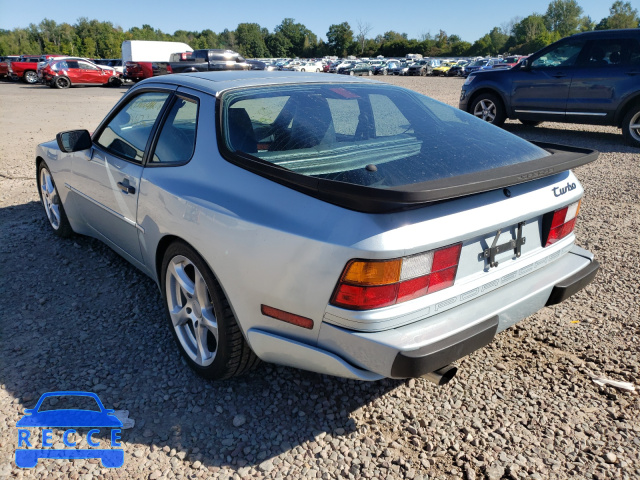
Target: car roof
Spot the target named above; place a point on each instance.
(214, 82)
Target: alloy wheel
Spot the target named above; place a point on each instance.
(191, 310)
(634, 127)
(50, 198)
(486, 110)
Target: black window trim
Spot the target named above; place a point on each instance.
(374, 200)
(157, 131)
(119, 106)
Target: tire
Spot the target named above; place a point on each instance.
(201, 320)
(62, 82)
(114, 82)
(51, 202)
(488, 107)
(530, 123)
(30, 77)
(631, 126)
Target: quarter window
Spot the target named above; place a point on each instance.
(177, 138)
(127, 133)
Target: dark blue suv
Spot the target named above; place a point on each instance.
(591, 77)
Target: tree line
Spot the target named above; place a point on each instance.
(96, 39)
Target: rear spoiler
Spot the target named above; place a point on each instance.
(376, 200)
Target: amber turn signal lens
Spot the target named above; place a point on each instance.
(373, 272)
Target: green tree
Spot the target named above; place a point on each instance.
(296, 33)
(279, 45)
(563, 17)
(621, 15)
(339, 38)
(250, 41)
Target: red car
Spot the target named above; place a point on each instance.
(4, 64)
(66, 72)
(26, 67)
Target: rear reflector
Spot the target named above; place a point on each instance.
(563, 222)
(303, 322)
(369, 284)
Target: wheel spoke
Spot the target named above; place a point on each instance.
(55, 211)
(201, 292)
(209, 321)
(182, 279)
(203, 353)
(179, 316)
(635, 126)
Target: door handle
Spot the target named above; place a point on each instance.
(559, 75)
(126, 188)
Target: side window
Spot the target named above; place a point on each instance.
(72, 64)
(87, 66)
(177, 139)
(605, 53)
(127, 133)
(563, 55)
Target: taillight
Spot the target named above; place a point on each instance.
(563, 222)
(169, 69)
(369, 284)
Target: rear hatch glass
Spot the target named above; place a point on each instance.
(386, 139)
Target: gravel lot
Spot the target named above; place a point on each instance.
(76, 316)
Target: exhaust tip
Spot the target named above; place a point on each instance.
(443, 375)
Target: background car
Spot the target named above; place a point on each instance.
(590, 77)
(358, 68)
(67, 72)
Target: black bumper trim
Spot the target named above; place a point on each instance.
(576, 282)
(445, 351)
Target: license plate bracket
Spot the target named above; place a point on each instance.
(514, 244)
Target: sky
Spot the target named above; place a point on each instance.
(469, 19)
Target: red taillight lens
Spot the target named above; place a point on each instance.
(169, 69)
(369, 284)
(562, 223)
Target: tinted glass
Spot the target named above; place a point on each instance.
(562, 55)
(177, 138)
(127, 133)
(340, 132)
(610, 52)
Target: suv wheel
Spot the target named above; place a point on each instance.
(631, 126)
(487, 107)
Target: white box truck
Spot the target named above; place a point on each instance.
(151, 51)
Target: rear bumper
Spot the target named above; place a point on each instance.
(426, 345)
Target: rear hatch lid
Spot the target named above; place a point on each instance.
(376, 148)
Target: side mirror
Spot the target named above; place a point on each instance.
(74, 140)
(525, 65)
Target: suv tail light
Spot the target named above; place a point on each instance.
(369, 284)
(169, 69)
(562, 222)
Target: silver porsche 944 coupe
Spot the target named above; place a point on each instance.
(343, 226)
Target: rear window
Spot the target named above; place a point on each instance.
(370, 135)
